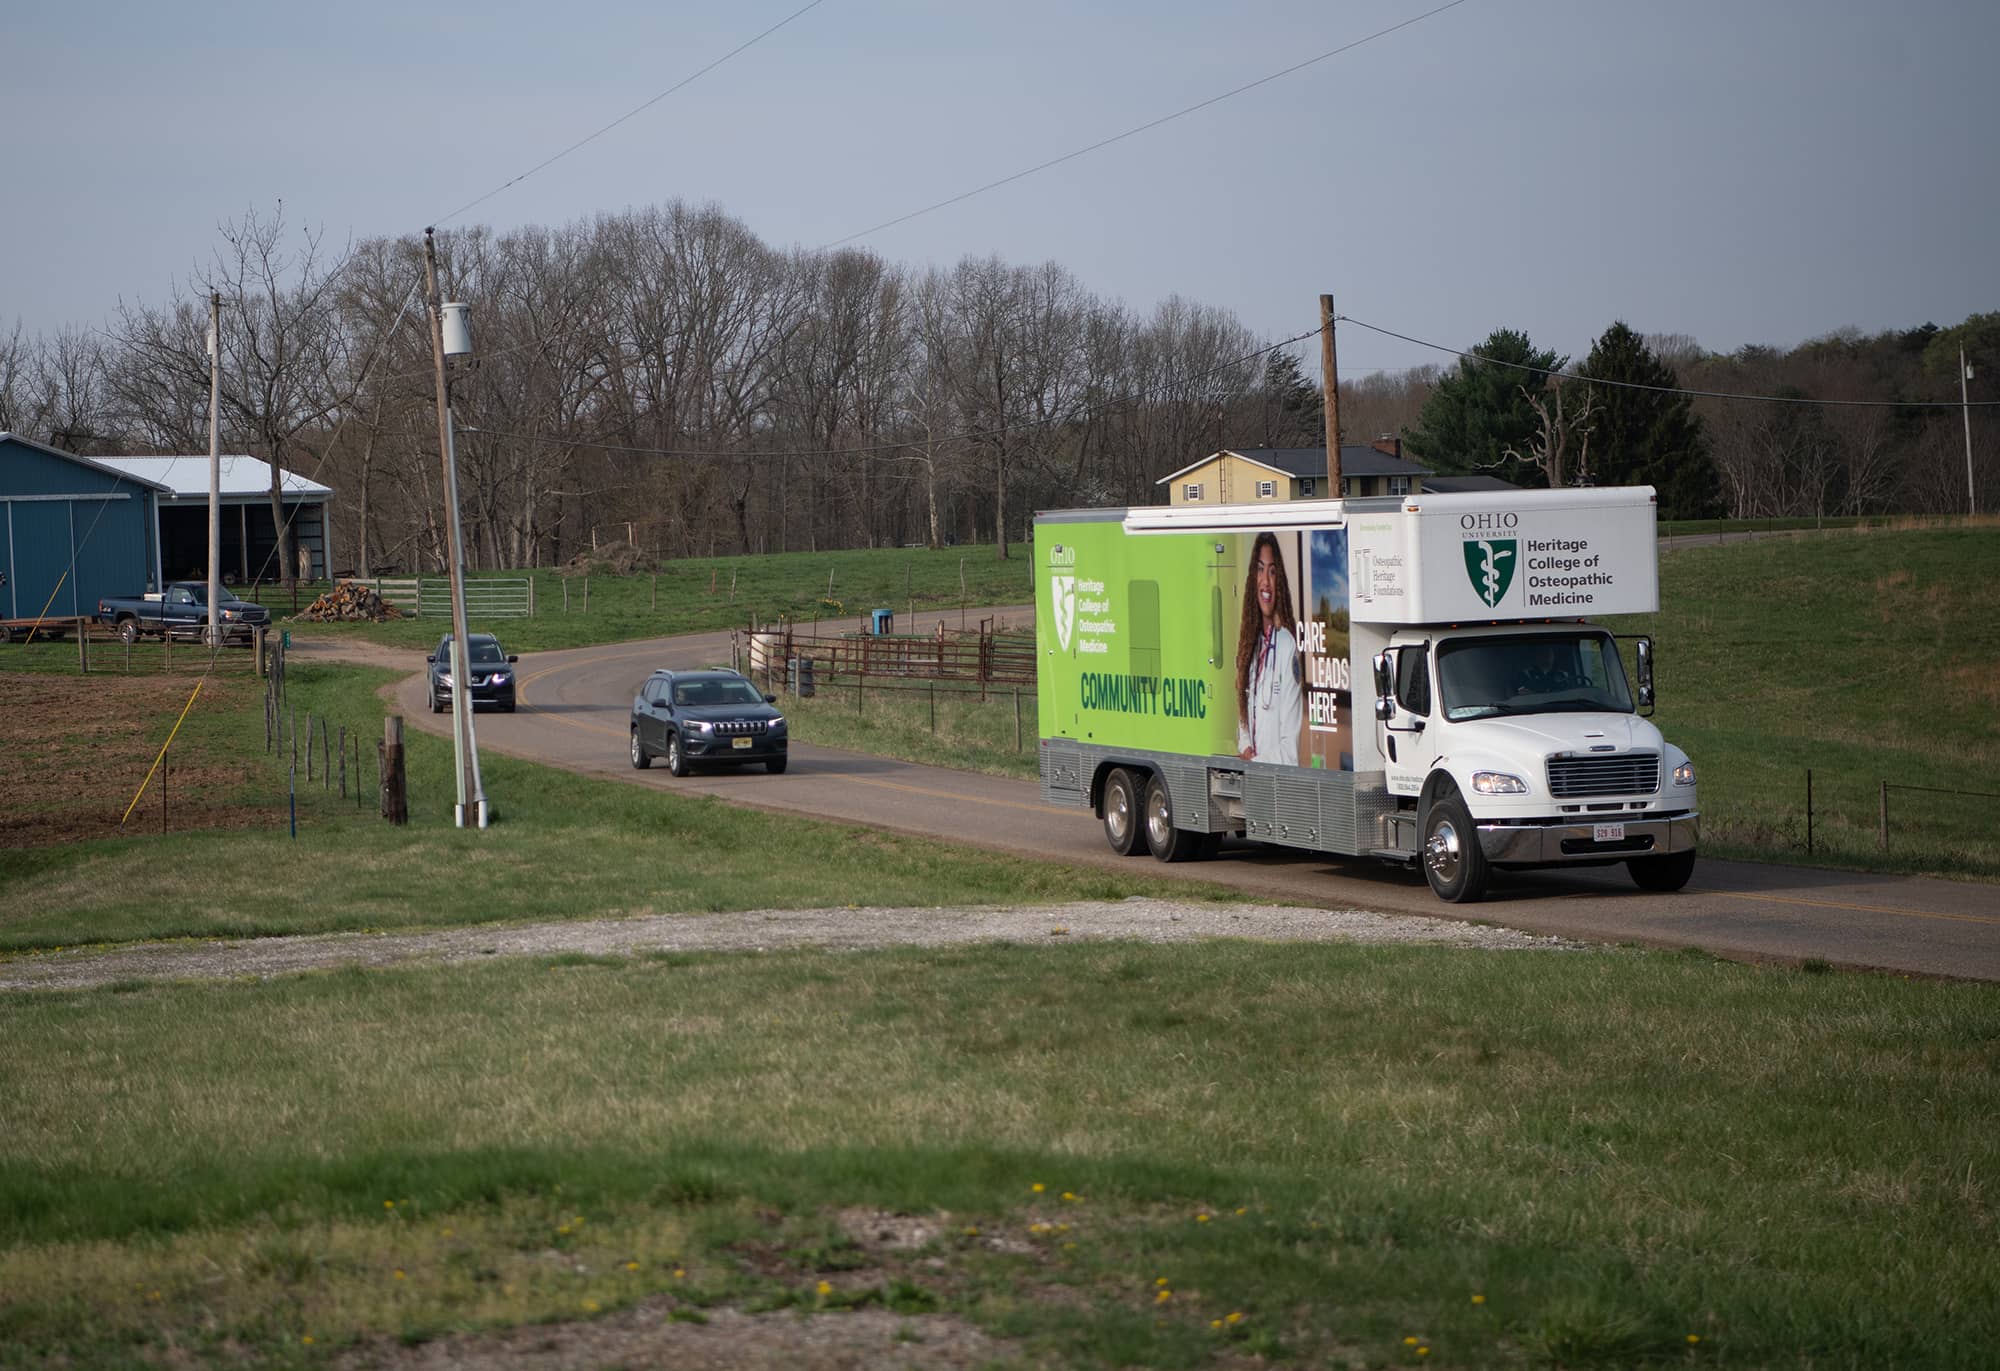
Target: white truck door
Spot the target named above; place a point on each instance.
(1409, 737)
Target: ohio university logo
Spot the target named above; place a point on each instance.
(1489, 562)
(1062, 591)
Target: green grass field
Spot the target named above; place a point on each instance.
(721, 592)
(1522, 1159)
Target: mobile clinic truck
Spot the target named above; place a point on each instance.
(1200, 667)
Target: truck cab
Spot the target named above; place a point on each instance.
(1525, 745)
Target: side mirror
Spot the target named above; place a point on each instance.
(1385, 697)
(431, 658)
(770, 699)
(511, 657)
(1645, 656)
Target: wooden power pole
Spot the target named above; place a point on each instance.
(1330, 379)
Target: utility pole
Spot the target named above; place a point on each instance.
(1965, 407)
(214, 469)
(471, 806)
(1330, 380)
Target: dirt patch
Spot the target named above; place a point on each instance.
(650, 1335)
(79, 748)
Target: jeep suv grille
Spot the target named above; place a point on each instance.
(742, 726)
(1627, 773)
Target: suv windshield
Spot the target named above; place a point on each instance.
(1482, 677)
(486, 653)
(717, 691)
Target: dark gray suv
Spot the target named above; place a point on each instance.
(701, 718)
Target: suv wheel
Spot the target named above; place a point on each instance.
(677, 761)
(641, 759)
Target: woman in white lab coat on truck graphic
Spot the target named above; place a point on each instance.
(1270, 689)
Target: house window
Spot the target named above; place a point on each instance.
(1399, 485)
(1266, 489)
(1307, 485)
(1191, 492)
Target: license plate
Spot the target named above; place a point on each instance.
(743, 745)
(1607, 833)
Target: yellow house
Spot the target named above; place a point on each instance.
(1244, 476)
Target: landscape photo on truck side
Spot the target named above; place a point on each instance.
(1329, 683)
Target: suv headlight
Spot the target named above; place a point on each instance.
(1498, 783)
(497, 678)
(703, 726)
(1684, 774)
(776, 725)
(444, 678)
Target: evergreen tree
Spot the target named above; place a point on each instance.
(1482, 408)
(1648, 437)
(1294, 413)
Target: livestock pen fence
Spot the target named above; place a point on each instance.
(986, 665)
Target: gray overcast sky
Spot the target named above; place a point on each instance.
(1738, 170)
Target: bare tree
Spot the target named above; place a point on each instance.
(1561, 447)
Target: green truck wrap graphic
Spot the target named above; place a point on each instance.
(1206, 644)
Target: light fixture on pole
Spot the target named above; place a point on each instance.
(1965, 407)
(450, 338)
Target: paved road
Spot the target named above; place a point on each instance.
(576, 705)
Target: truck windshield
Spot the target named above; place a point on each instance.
(1547, 673)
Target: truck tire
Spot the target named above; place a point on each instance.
(1123, 827)
(1665, 874)
(1169, 844)
(1454, 863)
(128, 631)
(641, 759)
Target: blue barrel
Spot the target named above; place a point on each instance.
(882, 619)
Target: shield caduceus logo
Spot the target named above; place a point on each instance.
(1490, 564)
(1062, 591)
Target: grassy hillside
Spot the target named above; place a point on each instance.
(1864, 656)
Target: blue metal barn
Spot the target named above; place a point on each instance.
(71, 531)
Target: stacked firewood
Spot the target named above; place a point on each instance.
(349, 601)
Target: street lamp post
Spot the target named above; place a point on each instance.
(471, 807)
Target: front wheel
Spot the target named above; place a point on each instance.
(1169, 844)
(677, 761)
(1454, 863)
(1121, 813)
(1668, 873)
(776, 766)
(641, 759)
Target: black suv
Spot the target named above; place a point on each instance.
(694, 718)
(492, 674)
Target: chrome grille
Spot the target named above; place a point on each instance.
(1625, 773)
(742, 726)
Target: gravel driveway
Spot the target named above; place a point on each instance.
(1146, 920)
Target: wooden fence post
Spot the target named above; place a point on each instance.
(395, 799)
(309, 747)
(1882, 839)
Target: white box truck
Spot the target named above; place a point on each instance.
(1200, 667)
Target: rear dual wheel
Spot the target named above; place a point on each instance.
(1122, 826)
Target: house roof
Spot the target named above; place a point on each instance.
(108, 465)
(187, 476)
(1465, 485)
(1356, 459)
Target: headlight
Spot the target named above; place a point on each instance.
(776, 725)
(703, 726)
(229, 614)
(498, 678)
(444, 678)
(1498, 783)
(1684, 774)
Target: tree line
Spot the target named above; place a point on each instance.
(664, 377)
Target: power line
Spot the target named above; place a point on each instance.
(969, 436)
(1661, 390)
(1142, 128)
(637, 110)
